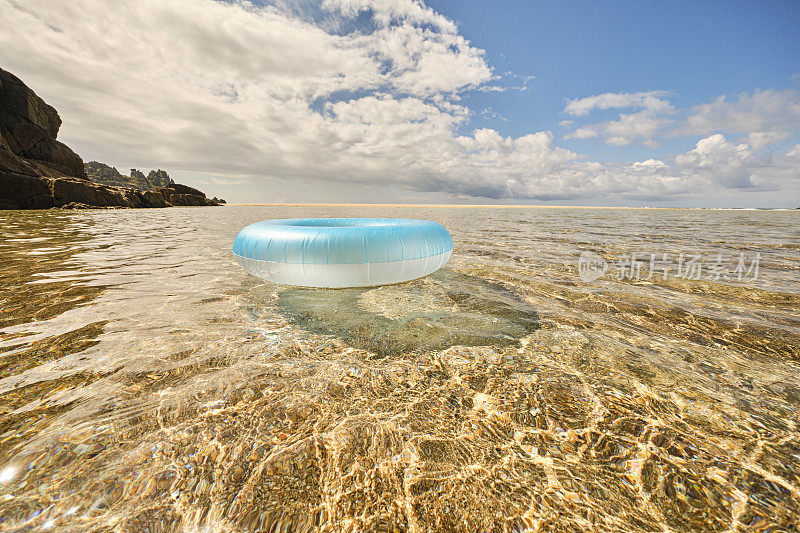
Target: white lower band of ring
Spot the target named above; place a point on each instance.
(344, 275)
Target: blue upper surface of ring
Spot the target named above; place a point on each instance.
(341, 240)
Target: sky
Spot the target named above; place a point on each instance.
(674, 104)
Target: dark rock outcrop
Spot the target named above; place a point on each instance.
(28, 129)
(18, 191)
(105, 174)
(185, 189)
(39, 172)
(159, 178)
(108, 175)
(176, 195)
(77, 205)
(138, 175)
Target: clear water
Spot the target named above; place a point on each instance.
(147, 382)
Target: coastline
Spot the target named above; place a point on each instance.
(39, 172)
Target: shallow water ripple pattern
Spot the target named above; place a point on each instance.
(148, 384)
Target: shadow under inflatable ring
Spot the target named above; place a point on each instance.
(342, 252)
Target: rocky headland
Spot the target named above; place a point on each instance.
(108, 175)
(39, 172)
(156, 180)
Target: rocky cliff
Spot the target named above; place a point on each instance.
(108, 175)
(39, 172)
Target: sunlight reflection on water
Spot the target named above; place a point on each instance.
(148, 382)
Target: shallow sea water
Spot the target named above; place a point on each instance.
(148, 384)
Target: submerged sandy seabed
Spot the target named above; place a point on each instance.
(142, 388)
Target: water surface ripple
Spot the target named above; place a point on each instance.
(148, 384)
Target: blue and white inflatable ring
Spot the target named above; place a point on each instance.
(342, 252)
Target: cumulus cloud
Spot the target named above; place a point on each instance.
(766, 116)
(341, 93)
(641, 126)
(716, 162)
(629, 128)
(232, 87)
(764, 139)
(761, 111)
(712, 166)
(262, 93)
(729, 164)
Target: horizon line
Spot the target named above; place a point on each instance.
(502, 206)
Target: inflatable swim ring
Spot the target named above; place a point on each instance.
(342, 252)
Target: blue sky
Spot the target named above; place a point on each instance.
(696, 50)
(585, 103)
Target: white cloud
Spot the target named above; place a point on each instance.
(487, 114)
(398, 10)
(641, 126)
(654, 101)
(761, 111)
(764, 139)
(297, 94)
(713, 166)
(202, 84)
(766, 116)
(514, 82)
(728, 163)
(232, 89)
(644, 126)
(718, 162)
